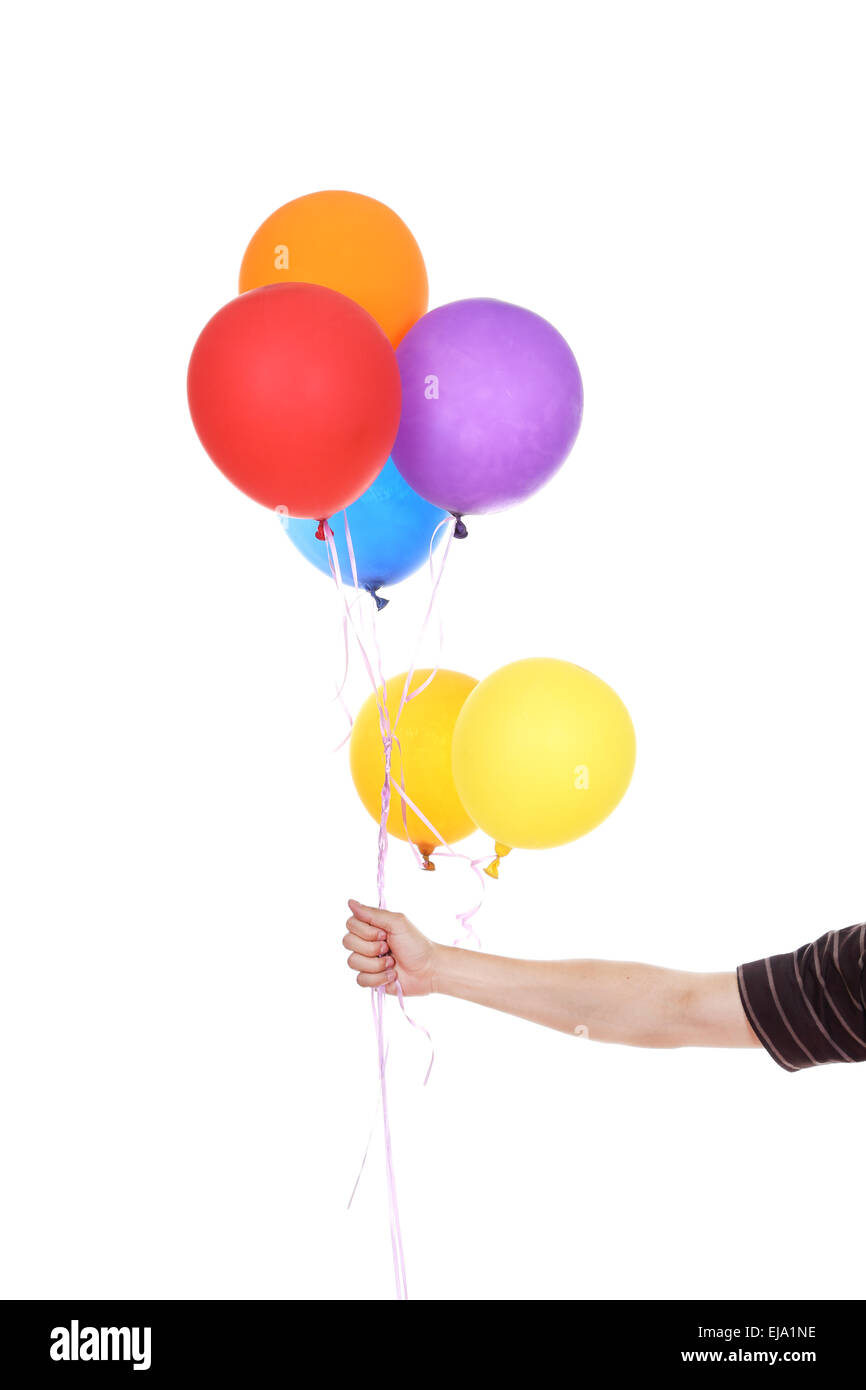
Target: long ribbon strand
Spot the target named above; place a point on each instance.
(387, 730)
(378, 994)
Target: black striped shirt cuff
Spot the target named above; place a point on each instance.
(807, 1008)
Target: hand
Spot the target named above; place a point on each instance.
(385, 948)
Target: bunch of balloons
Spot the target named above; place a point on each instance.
(326, 387)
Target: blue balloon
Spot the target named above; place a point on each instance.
(391, 527)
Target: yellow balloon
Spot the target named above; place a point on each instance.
(543, 751)
(424, 730)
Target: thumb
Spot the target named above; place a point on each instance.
(376, 916)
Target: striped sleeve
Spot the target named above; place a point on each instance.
(808, 1008)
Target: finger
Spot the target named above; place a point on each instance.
(376, 916)
(364, 929)
(364, 948)
(368, 981)
(370, 967)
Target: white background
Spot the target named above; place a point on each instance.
(187, 1071)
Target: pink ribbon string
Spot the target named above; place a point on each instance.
(283, 514)
(436, 580)
(341, 687)
(387, 729)
(389, 738)
(378, 994)
(338, 695)
(464, 918)
(367, 1145)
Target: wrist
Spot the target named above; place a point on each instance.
(439, 968)
(447, 964)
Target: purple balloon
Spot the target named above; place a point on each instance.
(492, 403)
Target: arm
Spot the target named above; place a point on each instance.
(611, 1001)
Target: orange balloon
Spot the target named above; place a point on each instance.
(349, 243)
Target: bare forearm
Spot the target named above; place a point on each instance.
(611, 1001)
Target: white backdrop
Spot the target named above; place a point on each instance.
(188, 1071)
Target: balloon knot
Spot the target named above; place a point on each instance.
(320, 530)
(492, 869)
(380, 601)
(427, 863)
(460, 532)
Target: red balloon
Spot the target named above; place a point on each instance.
(294, 391)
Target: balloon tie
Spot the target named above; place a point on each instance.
(492, 869)
(380, 602)
(460, 531)
(320, 529)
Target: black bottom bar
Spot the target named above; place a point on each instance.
(197, 1343)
